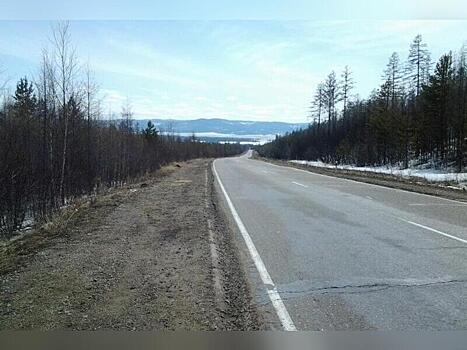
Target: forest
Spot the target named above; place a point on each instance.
(418, 115)
(57, 145)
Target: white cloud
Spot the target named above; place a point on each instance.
(254, 70)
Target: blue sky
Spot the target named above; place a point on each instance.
(236, 69)
(233, 10)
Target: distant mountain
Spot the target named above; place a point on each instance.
(216, 127)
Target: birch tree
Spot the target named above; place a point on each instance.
(66, 64)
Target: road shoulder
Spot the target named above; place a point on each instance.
(140, 259)
(385, 180)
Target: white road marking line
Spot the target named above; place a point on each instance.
(359, 182)
(273, 294)
(368, 197)
(299, 184)
(437, 205)
(434, 230)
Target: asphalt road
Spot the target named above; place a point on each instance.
(347, 255)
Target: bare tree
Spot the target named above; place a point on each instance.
(332, 96)
(347, 84)
(3, 85)
(393, 76)
(44, 83)
(318, 103)
(3, 81)
(67, 67)
(90, 91)
(52, 148)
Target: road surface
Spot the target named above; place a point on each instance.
(329, 253)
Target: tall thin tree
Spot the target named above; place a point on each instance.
(418, 64)
(67, 68)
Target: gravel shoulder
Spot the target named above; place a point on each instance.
(153, 255)
(419, 186)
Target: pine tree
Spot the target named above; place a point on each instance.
(460, 113)
(25, 99)
(437, 97)
(418, 65)
(150, 133)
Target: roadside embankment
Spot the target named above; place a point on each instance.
(153, 255)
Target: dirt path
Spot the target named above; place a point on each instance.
(158, 258)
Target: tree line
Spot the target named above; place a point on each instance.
(55, 144)
(416, 116)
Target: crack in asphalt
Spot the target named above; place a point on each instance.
(367, 288)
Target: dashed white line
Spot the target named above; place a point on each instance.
(359, 182)
(299, 184)
(273, 294)
(434, 230)
(368, 197)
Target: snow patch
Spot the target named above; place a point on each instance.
(429, 174)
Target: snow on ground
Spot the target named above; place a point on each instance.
(433, 175)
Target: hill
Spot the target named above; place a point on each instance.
(222, 127)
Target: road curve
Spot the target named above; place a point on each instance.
(348, 255)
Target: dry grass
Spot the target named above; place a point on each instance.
(20, 247)
(13, 251)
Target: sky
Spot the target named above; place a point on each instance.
(233, 10)
(264, 70)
